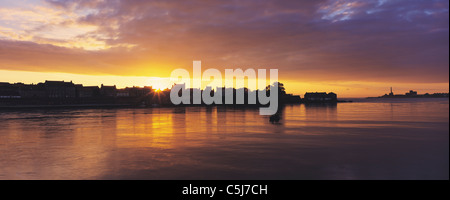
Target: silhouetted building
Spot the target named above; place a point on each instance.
(108, 91)
(59, 89)
(122, 93)
(68, 93)
(89, 91)
(134, 91)
(290, 98)
(411, 93)
(7, 91)
(312, 97)
(10, 95)
(32, 91)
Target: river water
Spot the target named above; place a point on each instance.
(365, 139)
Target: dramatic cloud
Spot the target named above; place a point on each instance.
(344, 40)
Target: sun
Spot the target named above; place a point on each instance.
(159, 84)
(158, 87)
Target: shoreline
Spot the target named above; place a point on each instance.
(93, 106)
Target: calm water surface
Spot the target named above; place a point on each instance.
(368, 139)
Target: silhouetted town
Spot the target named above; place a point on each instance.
(54, 93)
(413, 94)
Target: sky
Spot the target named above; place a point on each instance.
(356, 48)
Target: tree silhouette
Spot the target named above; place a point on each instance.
(281, 89)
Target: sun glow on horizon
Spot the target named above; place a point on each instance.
(159, 84)
(342, 89)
